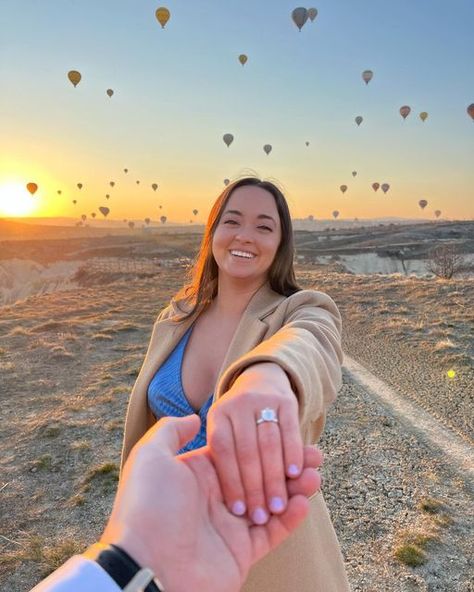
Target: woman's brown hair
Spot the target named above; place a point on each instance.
(202, 285)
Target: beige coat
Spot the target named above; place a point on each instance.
(302, 334)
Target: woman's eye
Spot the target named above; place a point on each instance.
(265, 227)
(230, 222)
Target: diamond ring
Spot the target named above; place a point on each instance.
(267, 414)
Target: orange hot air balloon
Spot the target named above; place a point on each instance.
(367, 76)
(422, 203)
(110, 92)
(343, 188)
(162, 16)
(104, 211)
(359, 119)
(335, 213)
(32, 188)
(405, 111)
(470, 110)
(243, 59)
(74, 76)
(154, 186)
(375, 186)
(93, 214)
(423, 116)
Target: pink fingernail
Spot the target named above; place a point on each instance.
(293, 471)
(238, 508)
(259, 516)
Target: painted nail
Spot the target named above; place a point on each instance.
(276, 505)
(293, 471)
(239, 508)
(259, 516)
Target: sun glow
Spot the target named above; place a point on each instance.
(16, 201)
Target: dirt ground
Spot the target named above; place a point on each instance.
(67, 364)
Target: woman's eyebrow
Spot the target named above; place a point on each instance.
(260, 216)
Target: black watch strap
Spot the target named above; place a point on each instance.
(118, 564)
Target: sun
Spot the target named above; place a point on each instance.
(15, 200)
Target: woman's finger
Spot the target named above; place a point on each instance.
(271, 458)
(248, 458)
(220, 439)
(291, 439)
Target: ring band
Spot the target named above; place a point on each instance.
(267, 415)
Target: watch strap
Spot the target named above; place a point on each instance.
(122, 568)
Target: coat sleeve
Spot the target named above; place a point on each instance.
(307, 346)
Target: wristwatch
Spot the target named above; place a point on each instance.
(124, 570)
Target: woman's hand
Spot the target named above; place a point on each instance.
(254, 460)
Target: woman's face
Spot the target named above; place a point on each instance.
(247, 235)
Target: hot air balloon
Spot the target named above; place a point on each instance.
(405, 111)
(162, 16)
(375, 186)
(74, 201)
(79, 185)
(93, 214)
(107, 196)
(299, 16)
(195, 212)
(470, 110)
(243, 59)
(137, 182)
(367, 76)
(385, 187)
(110, 92)
(83, 217)
(104, 211)
(131, 224)
(228, 139)
(422, 203)
(59, 191)
(335, 213)
(147, 221)
(354, 173)
(125, 170)
(112, 183)
(226, 182)
(163, 219)
(343, 188)
(154, 186)
(307, 143)
(359, 119)
(312, 13)
(437, 213)
(32, 188)
(74, 76)
(423, 115)
(161, 207)
(267, 149)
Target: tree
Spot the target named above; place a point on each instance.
(445, 261)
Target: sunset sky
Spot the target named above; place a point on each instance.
(178, 90)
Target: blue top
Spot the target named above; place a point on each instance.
(166, 396)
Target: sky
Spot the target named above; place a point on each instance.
(178, 90)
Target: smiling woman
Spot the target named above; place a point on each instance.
(16, 201)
